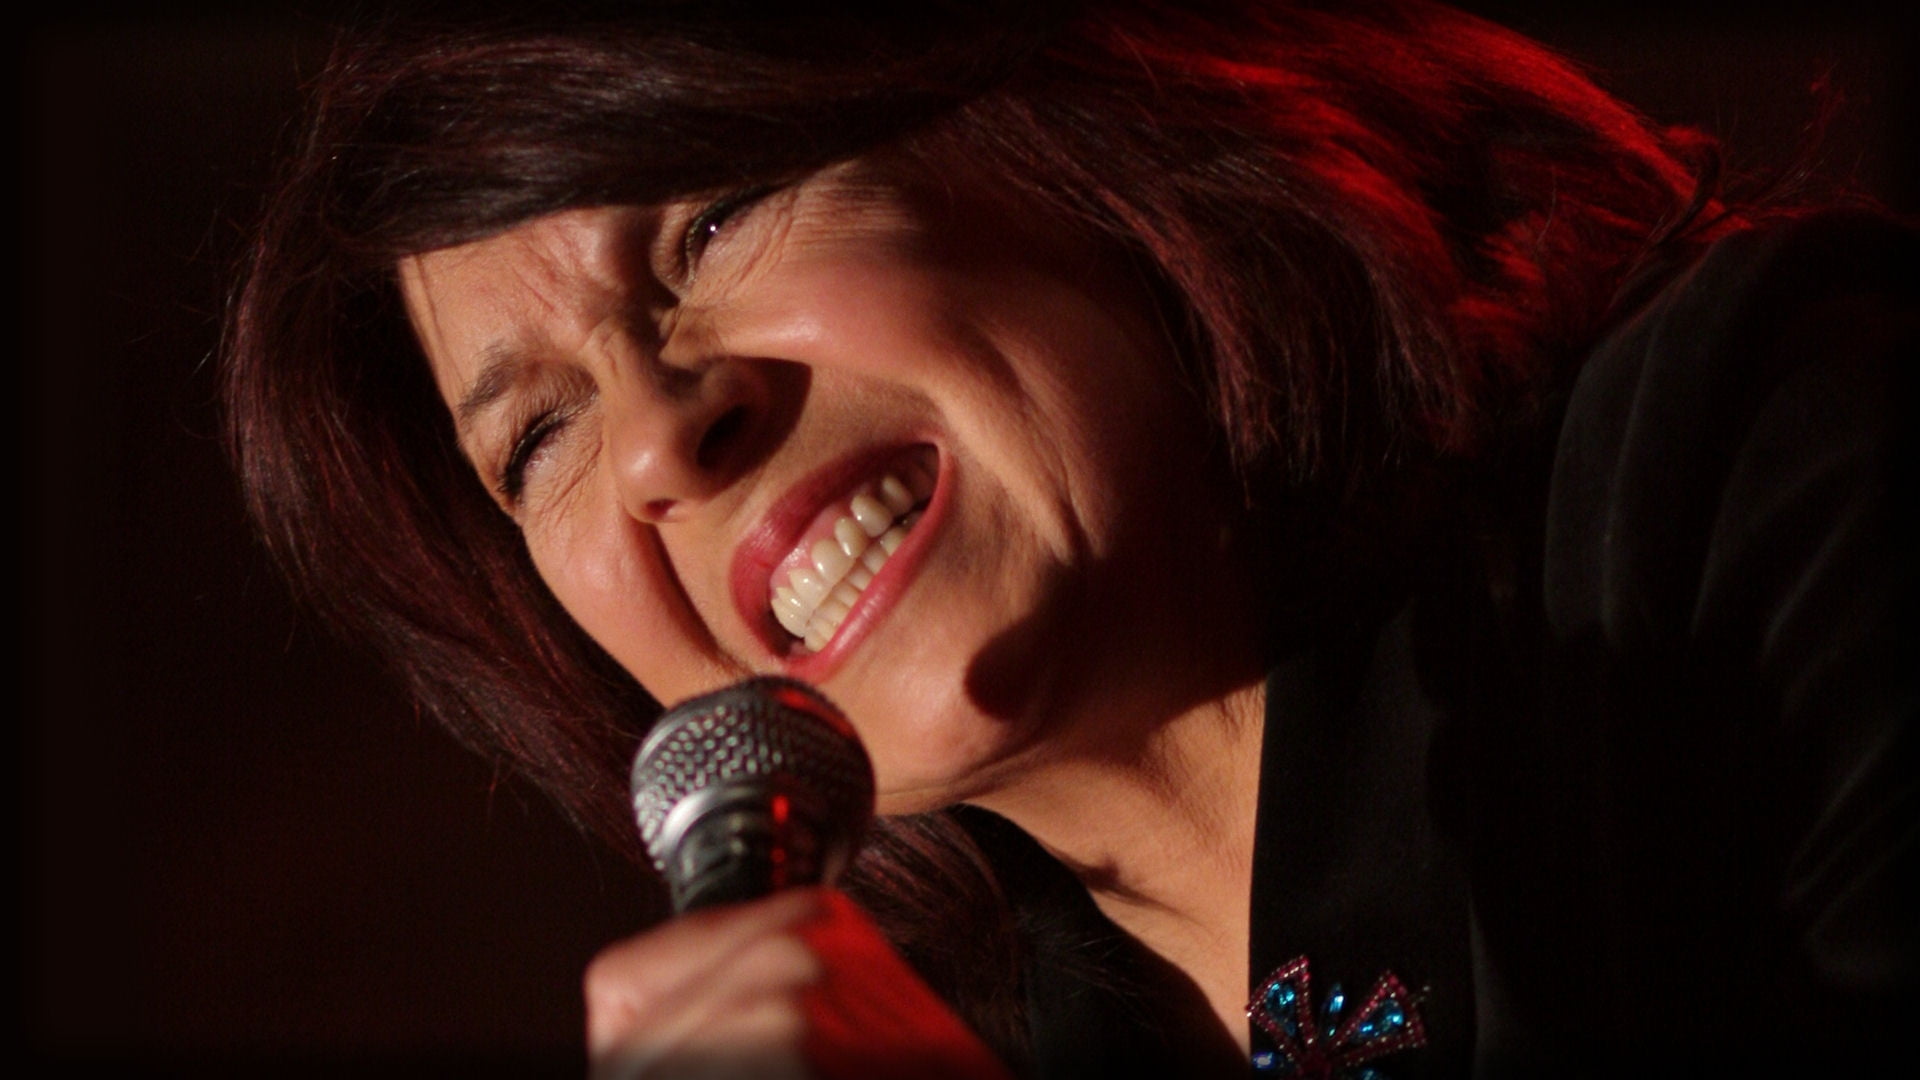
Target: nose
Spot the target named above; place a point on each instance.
(679, 436)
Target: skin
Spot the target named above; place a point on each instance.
(1072, 642)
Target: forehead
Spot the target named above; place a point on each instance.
(475, 300)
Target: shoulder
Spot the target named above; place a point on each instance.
(1771, 378)
(1729, 592)
(1697, 771)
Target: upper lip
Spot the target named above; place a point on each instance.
(769, 541)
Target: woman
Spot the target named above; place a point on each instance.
(1286, 493)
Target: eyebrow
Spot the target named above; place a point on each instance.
(500, 368)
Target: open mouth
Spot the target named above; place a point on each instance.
(812, 590)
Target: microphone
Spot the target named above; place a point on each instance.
(750, 789)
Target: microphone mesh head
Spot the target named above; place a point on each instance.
(768, 728)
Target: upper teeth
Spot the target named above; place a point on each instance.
(823, 588)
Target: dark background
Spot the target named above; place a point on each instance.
(241, 849)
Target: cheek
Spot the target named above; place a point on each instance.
(612, 576)
(864, 313)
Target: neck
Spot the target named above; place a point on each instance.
(1163, 839)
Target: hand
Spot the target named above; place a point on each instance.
(799, 984)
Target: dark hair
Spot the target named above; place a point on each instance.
(1380, 228)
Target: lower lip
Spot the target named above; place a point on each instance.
(882, 592)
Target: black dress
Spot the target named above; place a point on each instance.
(1624, 781)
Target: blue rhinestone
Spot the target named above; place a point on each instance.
(1280, 997)
(1391, 1015)
(1330, 1019)
(1367, 1029)
(1369, 1074)
(1263, 1061)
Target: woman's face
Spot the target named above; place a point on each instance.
(880, 431)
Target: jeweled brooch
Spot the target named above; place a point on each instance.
(1336, 1044)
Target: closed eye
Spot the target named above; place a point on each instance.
(526, 447)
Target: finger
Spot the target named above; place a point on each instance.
(778, 966)
(762, 1038)
(642, 975)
